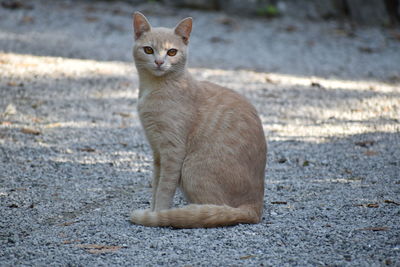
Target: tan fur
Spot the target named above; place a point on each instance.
(206, 139)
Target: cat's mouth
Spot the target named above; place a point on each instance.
(159, 70)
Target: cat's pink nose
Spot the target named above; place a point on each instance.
(159, 62)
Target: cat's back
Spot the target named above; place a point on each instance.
(226, 116)
(227, 147)
(217, 98)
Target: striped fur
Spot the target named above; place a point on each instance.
(206, 139)
(196, 216)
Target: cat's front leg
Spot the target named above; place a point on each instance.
(170, 172)
(156, 178)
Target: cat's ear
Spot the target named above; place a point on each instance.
(184, 28)
(140, 24)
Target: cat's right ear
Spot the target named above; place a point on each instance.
(140, 24)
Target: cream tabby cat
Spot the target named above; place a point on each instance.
(206, 139)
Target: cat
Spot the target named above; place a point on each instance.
(206, 140)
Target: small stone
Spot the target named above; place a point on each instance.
(347, 257)
(10, 110)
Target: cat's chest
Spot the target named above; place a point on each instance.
(158, 112)
(160, 104)
(151, 104)
(165, 118)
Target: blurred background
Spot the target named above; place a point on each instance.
(340, 38)
(370, 12)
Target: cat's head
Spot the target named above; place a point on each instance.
(160, 50)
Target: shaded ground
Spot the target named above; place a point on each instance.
(74, 162)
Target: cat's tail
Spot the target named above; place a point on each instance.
(197, 216)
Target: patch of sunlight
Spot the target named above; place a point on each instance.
(26, 66)
(372, 107)
(104, 158)
(328, 83)
(69, 124)
(132, 94)
(339, 181)
(73, 124)
(291, 80)
(322, 133)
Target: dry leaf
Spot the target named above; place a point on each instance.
(89, 246)
(290, 28)
(269, 80)
(123, 114)
(91, 19)
(30, 131)
(67, 223)
(391, 202)
(37, 120)
(87, 149)
(367, 143)
(279, 202)
(375, 229)
(315, 84)
(103, 250)
(6, 123)
(38, 104)
(366, 49)
(12, 84)
(66, 242)
(19, 189)
(344, 32)
(370, 153)
(27, 19)
(369, 205)
(53, 125)
(247, 257)
(98, 249)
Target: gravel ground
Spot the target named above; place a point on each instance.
(74, 161)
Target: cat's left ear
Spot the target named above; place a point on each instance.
(184, 28)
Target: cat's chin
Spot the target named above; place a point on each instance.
(158, 72)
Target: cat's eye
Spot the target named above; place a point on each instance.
(148, 50)
(172, 52)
